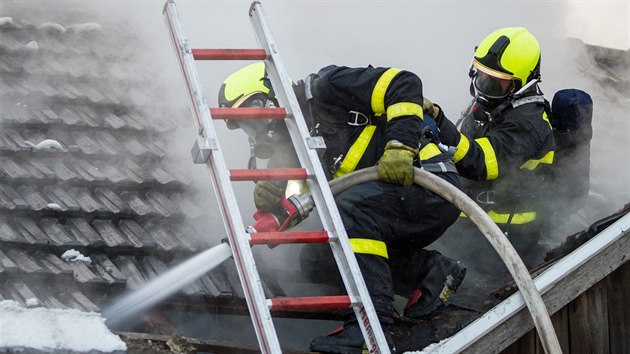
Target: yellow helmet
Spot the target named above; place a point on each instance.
(504, 61)
(245, 84)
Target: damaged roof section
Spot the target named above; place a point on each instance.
(84, 165)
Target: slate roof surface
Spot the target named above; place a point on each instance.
(82, 151)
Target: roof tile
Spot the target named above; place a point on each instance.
(83, 274)
(8, 234)
(10, 199)
(6, 264)
(30, 231)
(82, 231)
(111, 200)
(58, 233)
(107, 268)
(136, 234)
(25, 263)
(135, 278)
(109, 233)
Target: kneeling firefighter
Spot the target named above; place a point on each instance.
(367, 116)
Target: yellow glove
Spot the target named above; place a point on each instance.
(268, 193)
(429, 108)
(396, 164)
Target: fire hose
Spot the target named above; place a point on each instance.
(490, 230)
(299, 206)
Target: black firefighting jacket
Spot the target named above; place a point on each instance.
(507, 159)
(357, 110)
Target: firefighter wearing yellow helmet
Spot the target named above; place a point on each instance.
(372, 116)
(505, 143)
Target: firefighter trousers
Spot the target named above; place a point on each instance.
(379, 217)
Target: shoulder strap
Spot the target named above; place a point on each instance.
(540, 99)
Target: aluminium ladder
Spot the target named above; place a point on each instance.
(206, 150)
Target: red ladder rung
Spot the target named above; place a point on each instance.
(229, 54)
(286, 237)
(268, 174)
(248, 113)
(314, 303)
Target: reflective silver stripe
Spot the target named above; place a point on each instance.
(528, 99)
(437, 167)
(308, 93)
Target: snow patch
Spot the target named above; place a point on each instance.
(32, 45)
(7, 22)
(53, 206)
(429, 348)
(85, 27)
(33, 302)
(73, 255)
(54, 330)
(47, 144)
(52, 27)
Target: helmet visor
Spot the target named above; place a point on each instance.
(491, 86)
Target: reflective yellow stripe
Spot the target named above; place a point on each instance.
(429, 151)
(367, 246)
(492, 166)
(356, 151)
(546, 119)
(462, 148)
(380, 89)
(517, 218)
(404, 109)
(532, 164)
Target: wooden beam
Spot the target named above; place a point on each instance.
(558, 285)
(618, 309)
(588, 320)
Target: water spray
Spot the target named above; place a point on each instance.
(160, 288)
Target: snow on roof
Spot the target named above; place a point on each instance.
(54, 330)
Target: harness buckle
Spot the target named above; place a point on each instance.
(358, 119)
(485, 197)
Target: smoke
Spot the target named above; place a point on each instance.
(434, 39)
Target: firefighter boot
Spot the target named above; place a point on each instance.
(347, 339)
(443, 277)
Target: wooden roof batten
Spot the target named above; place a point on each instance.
(558, 285)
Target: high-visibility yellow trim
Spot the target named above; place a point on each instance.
(404, 109)
(546, 119)
(367, 246)
(429, 151)
(517, 218)
(356, 151)
(380, 89)
(462, 148)
(492, 165)
(532, 164)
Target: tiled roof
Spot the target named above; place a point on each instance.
(82, 150)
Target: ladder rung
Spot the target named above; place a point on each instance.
(267, 174)
(310, 303)
(278, 238)
(229, 54)
(248, 113)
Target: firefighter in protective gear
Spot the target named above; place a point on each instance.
(250, 87)
(505, 141)
(373, 116)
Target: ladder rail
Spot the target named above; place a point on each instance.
(324, 200)
(239, 239)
